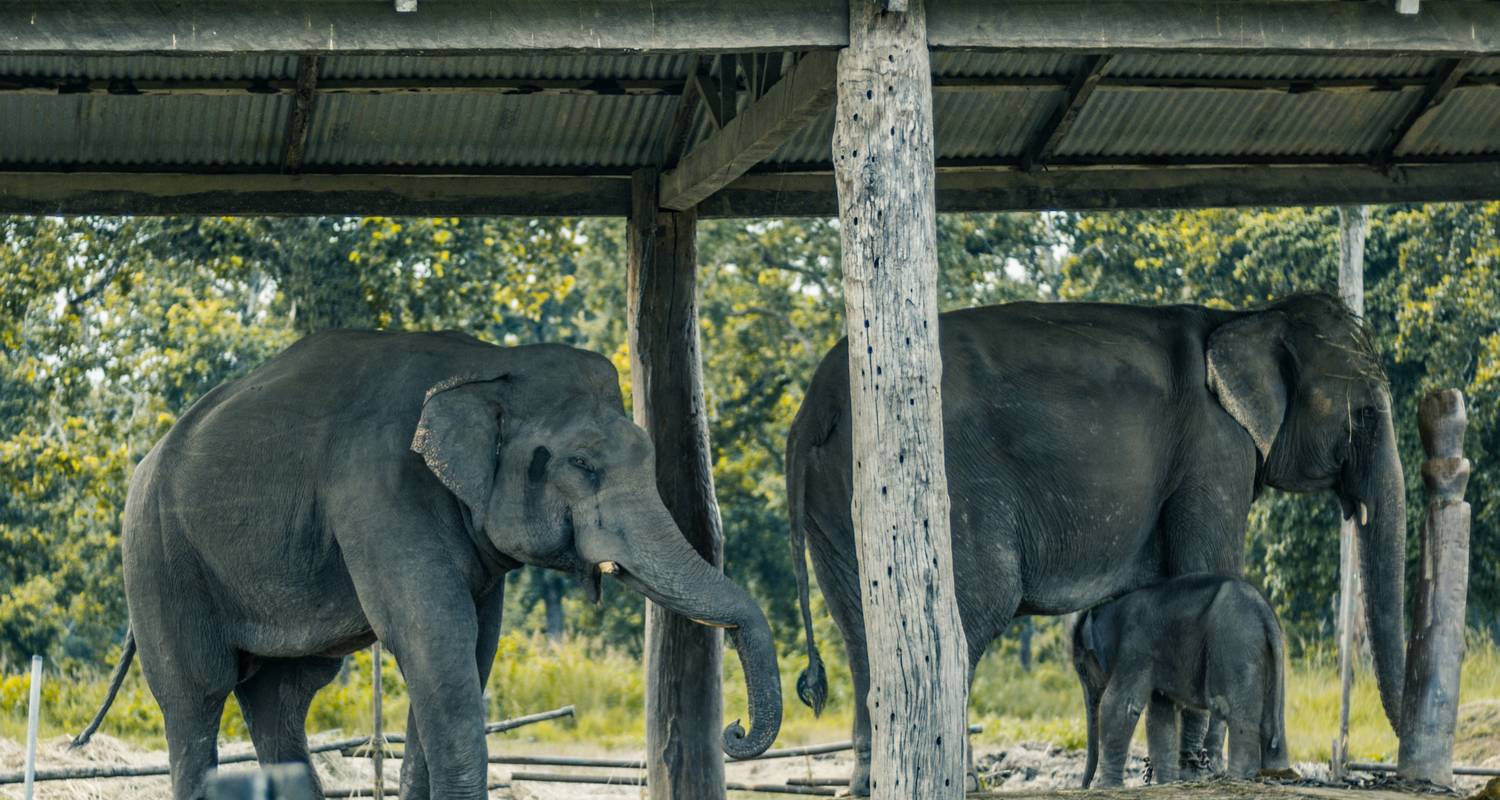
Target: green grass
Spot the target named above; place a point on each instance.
(608, 688)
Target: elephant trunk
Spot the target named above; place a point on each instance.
(1378, 501)
(672, 574)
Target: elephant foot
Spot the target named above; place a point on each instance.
(859, 781)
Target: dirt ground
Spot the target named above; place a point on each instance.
(1017, 772)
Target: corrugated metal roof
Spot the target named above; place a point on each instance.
(1467, 124)
(1270, 67)
(1216, 123)
(612, 133)
(92, 130)
(478, 130)
(535, 67)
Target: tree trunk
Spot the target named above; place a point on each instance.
(883, 162)
(552, 594)
(1435, 655)
(684, 706)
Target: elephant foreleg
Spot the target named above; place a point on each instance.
(414, 776)
(1161, 739)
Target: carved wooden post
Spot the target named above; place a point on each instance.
(1434, 656)
(883, 162)
(1354, 224)
(684, 706)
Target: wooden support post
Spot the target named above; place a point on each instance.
(883, 165)
(684, 706)
(1354, 223)
(1435, 654)
(377, 736)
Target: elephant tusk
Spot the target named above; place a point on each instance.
(1364, 514)
(714, 624)
(608, 567)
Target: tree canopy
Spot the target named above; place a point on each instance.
(112, 327)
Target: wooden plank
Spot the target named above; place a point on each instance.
(1435, 654)
(966, 190)
(681, 127)
(299, 119)
(78, 27)
(1080, 88)
(804, 92)
(301, 195)
(883, 167)
(684, 705)
(1452, 28)
(1410, 126)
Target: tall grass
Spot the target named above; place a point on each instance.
(608, 688)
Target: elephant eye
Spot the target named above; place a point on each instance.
(580, 463)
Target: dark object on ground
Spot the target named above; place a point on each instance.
(274, 782)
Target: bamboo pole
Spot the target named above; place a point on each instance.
(377, 739)
(33, 722)
(339, 745)
(636, 780)
(1458, 769)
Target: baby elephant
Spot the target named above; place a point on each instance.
(1203, 642)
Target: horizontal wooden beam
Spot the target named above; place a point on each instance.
(1447, 28)
(1444, 28)
(970, 190)
(80, 27)
(299, 195)
(802, 93)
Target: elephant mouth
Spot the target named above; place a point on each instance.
(593, 579)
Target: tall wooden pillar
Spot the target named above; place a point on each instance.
(684, 705)
(883, 162)
(1435, 654)
(1354, 225)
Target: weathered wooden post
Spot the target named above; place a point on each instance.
(684, 705)
(883, 163)
(1354, 224)
(1435, 653)
(377, 737)
(33, 722)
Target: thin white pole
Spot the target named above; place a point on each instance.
(377, 741)
(1354, 223)
(33, 721)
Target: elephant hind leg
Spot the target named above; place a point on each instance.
(1119, 711)
(275, 701)
(1162, 739)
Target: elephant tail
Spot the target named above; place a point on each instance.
(114, 688)
(1272, 722)
(812, 684)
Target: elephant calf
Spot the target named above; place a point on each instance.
(1203, 642)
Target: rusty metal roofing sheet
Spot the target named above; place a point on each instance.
(1467, 124)
(241, 131)
(1118, 123)
(486, 130)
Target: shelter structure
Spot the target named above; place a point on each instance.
(671, 110)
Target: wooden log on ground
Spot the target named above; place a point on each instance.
(883, 167)
(684, 704)
(1458, 769)
(636, 780)
(1435, 653)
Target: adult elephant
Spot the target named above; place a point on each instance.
(379, 485)
(1094, 449)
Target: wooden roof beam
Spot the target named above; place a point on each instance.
(299, 119)
(1057, 126)
(802, 93)
(1442, 84)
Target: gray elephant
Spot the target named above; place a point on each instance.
(379, 485)
(1094, 449)
(1205, 642)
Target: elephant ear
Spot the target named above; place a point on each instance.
(458, 436)
(1245, 373)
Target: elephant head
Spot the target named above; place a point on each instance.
(549, 470)
(1302, 378)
